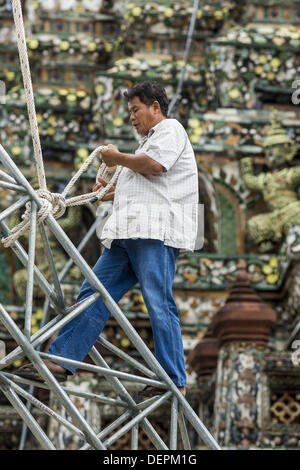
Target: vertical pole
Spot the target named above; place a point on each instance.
(30, 267)
(52, 269)
(174, 424)
(183, 430)
(135, 437)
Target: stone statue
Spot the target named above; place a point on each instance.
(278, 187)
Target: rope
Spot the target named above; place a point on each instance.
(53, 203)
(186, 56)
(22, 48)
(56, 203)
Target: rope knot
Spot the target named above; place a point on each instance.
(53, 203)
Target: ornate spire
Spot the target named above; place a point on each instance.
(244, 318)
(204, 357)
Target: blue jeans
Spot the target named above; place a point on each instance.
(119, 268)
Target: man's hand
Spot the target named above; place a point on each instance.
(109, 196)
(140, 163)
(110, 155)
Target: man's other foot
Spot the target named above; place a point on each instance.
(29, 372)
(150, 391)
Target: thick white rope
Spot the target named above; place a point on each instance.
(53, 203)
(22, 48)
(56, 203)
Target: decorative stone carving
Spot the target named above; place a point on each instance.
(278, 187)
(244, 318)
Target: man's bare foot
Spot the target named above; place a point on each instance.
(29, 371)
(150, 391)
(54, 367)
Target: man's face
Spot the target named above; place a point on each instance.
(143, 117)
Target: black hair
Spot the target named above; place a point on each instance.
(148, 92)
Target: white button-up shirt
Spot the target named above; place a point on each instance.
(161, 206)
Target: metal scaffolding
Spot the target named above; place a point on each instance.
(15, 388)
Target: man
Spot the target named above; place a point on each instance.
(154, 217)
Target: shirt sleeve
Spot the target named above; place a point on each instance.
(166, 145)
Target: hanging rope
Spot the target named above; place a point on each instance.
(185, 56)
(53, 203)
(25, 68)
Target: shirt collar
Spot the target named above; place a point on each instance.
(154, 128)
(150, 133)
